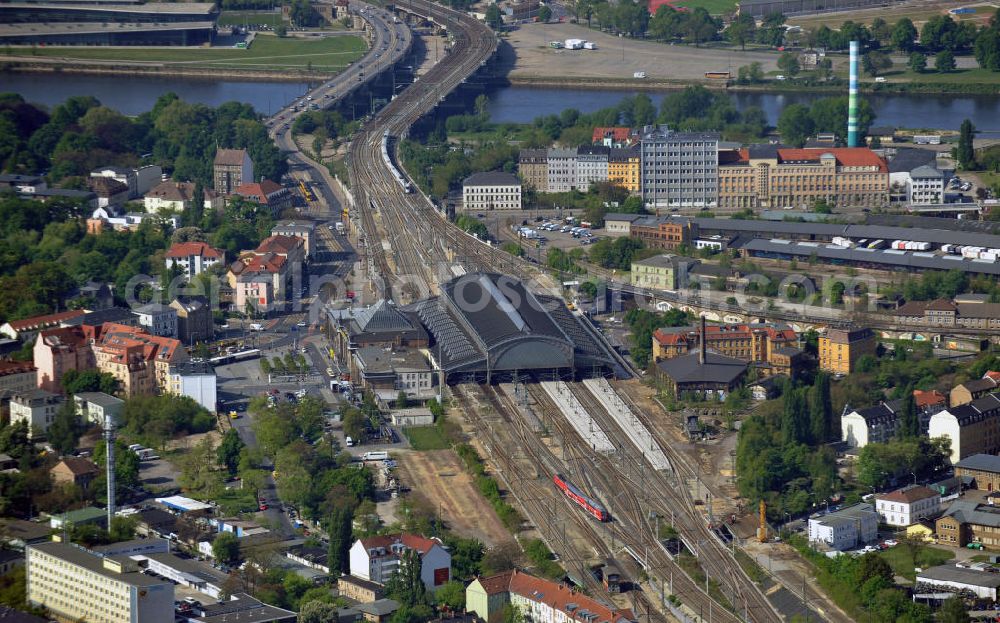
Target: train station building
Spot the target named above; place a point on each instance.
(487, 327)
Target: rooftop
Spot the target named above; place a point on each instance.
(379, 607)
(981, 462)
(951, 573)
(908, 495)
(492, 178)
(87, 559)
(572, 604)
(716, 369)
(664, 260)
(187, 249)
(229, 157)
(246, 610)
(78, 466)
(48, 320)
(411, 541)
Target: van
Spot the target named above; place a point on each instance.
(375, 456)
(256, 327)
(880, 79)
(348, 442)
(134, 447)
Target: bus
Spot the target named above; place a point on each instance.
(717, 75)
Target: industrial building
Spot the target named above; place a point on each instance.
(954, 579)
(967, 522)
(846, 528)
(487, 326)
(840, 349)
(108, 33)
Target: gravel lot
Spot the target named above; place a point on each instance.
(660, 61)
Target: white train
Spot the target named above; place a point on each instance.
(400, 178)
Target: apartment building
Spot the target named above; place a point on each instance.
(35, 407)
(78, 584)
(615, 137)
(625, 168)
(679, 169)
(964, 393)
(265, 193)
(562, 170)
(538, 600)
(259, 281)
(591, 165)
(170, 196)
(62, 349)
(193, 258)
(770, 176)
(972, 428)
(840, 349)
(140, 361)
(377, 558)
(664, 233)
(533, 167)
(771, 347)
(494, 190)
(194, 319)
(659, 272)
(907, 506)
(306, 230)
(231, 168)
(880, 423)
(157, 319)
(138, 181)
(95, 407)
(17, 376)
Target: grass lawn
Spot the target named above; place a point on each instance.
(267, 52)
(715, 7)
(239, 18)
(959, 76)
(890, 14)
(426, 438)
(903, 558)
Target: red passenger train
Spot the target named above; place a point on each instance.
(591, 506)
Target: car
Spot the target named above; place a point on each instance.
(263, 507)
(301, 323)
(891, 543)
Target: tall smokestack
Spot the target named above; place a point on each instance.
(704, 344)
(109, 437)
(852, 101)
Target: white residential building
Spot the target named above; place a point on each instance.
(905, 507)
(846, 528)
(562, 170)
(972, 428)
(138, 181)
(95, 407)
(37, 407)
(78, 584)
(377, 558)
(169, 196)
(158, 319)
(193, 258)
(494, 190)
(197, 381)
(925, 186)
(591, 166)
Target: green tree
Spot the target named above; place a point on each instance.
(544, 14)
(198, 469)
(918, 62)
(965, 153)
(987, 49)
(953, 610)
(229, 451)
(281, 30)
(402, 401)
(820, 408)
(405, 586)
(338, 526)
(122, 529)
(126, 469)
(742, 30)
(226, 548)
(944, 61)
(493, 17)
(355, 423)
(65, 429)
(909, 422)
(78, 381)
(319, 612)
(789, 64)
(795, 125)
(904, 35)
(876, 63)
(750, 74)
(451, 595)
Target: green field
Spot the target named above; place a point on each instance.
(903, 559)
(268, 52)
(239, 18)
(426, 438)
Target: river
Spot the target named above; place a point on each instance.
(133, 95)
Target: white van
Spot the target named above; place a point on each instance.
(375, 456)
(256, 327)
(349, 442)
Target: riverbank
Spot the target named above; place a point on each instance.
(777, 87)
(56, 66)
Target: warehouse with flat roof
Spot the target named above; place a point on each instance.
(149, 12)
(488, 327)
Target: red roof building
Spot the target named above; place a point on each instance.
(28, 327)
(545, 599)
(928, 399)
(193, 257)
(266, 193)
(613, 137)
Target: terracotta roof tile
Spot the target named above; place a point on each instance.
(930, 398)
(186, 249)
(846, 156)
(79, 466)
(908, 495)
(557, 596)
(411, 541)
(617, 134)
(48, 320)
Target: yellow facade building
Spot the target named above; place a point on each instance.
(765, 176)
(840, 349)
(624, 169)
